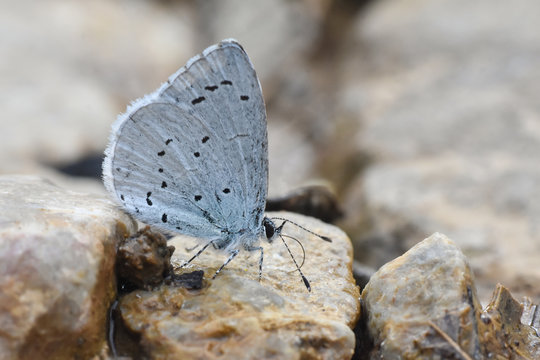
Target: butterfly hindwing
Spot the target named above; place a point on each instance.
(192, 156)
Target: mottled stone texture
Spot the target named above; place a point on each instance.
(505, 330)
(57, 251)
(143, 260)
(423, 305)
(429, 287)
(235, 316)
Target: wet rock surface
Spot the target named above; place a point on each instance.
(234, 316)
(57, 252)
(423, 305)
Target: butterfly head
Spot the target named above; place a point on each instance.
(270, 229)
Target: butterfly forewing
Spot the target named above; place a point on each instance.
(192, 156)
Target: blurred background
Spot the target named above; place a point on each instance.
(420, 115)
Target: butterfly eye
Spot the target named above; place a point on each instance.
(269, 228)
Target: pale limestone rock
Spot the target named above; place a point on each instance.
(237, 317)
(57, 253)
(428, 288)
(423, 305)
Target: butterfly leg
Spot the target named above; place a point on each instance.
(190, 249)
(255, 248)
(233, 255)
(198, 253)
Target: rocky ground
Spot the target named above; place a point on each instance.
(421, 116)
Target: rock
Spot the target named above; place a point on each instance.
(504, 330)
(234, 316)
(57, 254)
(430, 287)
(531, 315)
(190, 280)
(423, 305)
(143, 260)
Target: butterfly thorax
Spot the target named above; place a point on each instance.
(242, 239)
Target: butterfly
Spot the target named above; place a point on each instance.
(192, 157)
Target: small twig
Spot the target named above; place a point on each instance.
(446, 337)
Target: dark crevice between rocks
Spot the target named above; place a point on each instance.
(364, 344)
(87, 166)
(122, 342)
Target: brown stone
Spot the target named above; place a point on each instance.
(234, 316)
(504, 334)
(414, 303)
(423, 305)
(57, 253)
(143, 260)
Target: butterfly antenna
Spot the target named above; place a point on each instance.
(304, 279)
(325, 238)
(303, 250)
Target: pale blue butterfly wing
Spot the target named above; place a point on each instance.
(192, 156)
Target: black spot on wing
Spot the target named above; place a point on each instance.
(226, 190)
(148, 201)
(205, 139)
(244, 97)
(196, 154)
(168, 141)
(160, 170)
(198, 100)
(198, 197)
(226, 82)
(161, 153)
(211, 88)
(164, 218)
(163, 184)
